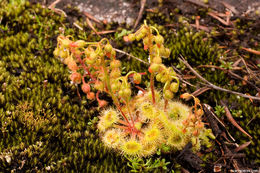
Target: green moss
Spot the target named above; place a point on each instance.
(44, 125)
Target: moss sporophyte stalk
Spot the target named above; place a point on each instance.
(137, 125)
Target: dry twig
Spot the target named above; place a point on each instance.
(199, 3)
(232, 74)
(140, 14)
(247, 69)
(138, 59)
(214, 86)
(179, 75)
(201, 27)
(216, 16)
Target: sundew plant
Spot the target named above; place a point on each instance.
(137, 125)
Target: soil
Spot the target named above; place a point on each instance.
(126, 11)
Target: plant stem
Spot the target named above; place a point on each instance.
(152, 87)
(84, 66)
(151, 60)
(130, 114)
(165, 104)
(108, 86)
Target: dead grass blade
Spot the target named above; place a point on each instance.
(251, 50)
(106, 32)
(91, 26)
(92, 18)
(56, 10)
(199, 92)
(230, 7)
(243, 146)
(232, 120)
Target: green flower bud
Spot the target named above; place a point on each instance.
(113, 53)
(66, 42)
(127, 93)
(174, 87)
(154, 68)
(157, 60)
(63, 54)
(115, 86)
(168, 95)
(93, 55)
(120, 93)
(137, 78)
(144, 30)
(131, 37)
(167, 52)
(108, 47)
(90, 61)
(164, 78)
(146, 40)
(101, 54)
(139, 36)
(159, 39)
(171, 71)
(159, 76)
(115, 64)
(162, 50)
(115, 73)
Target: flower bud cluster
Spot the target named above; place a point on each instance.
(93, 60)
(193, 123)
(155, 45)
(97, 62)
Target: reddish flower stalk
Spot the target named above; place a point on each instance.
(152, 87)
(83, 65)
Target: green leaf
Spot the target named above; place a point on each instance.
(158, 152)
(122, 33)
